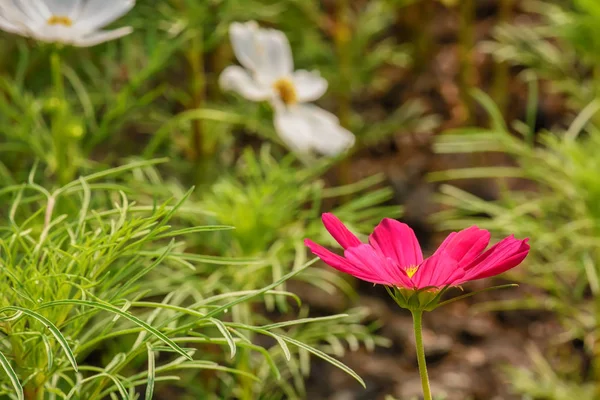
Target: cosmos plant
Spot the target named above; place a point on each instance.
(267, 74)
(393, 258)
(70, 22)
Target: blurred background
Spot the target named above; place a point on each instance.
(465, 112)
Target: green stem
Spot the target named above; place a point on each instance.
(59, 143)
(532, 107)
(424, 40)
(418, 326)
(596, 339)
(468, 72)
(342, 39)
(501, 69)
(244, 361)
(195, 58)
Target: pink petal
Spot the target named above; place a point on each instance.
(397, 241)
(438, 270)
(383, 270)
(501, 257)
(342, 264)
(339, 231)
(466, 245)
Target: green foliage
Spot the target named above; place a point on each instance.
(85, 100)
(80, 273)
(558, 206)
(278, 198)
(562, 48)
(73, 108)
(147, 278)
(110, 289)
(541, 382)
(274, 205)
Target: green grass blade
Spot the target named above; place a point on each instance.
(302, 321)
(115, 171)
(265, 353)
(263, 290)
(195, 229)
(226, 335)
(14, 379)
(53, 329)
(107, 307)
(49, 354)
(464, 296)
(284, 347)
(151, 373)
(216, 260)
(326, 357)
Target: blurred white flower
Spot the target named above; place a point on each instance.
(72, 22)
(268, 74)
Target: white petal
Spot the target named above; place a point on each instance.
(37, 11)
(238, 79)
(64, 8)
(320, 114)
(17, 19)
(12, 19)
(96, 14)
(310, 86)
(266, 52)
(275, 54)
(9, 27)
(54, 33)
(307, 127)
(294, 129)
(331, 138)
(243, 41)
(101, 37)
(30, 18)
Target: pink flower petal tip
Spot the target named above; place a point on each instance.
(393, 256)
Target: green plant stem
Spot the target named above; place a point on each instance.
(418, 327)
(501, 69)
(59, 143)
(195, 57)
(532, 107)
(418, 18)
(596, 344)
(244, 312)
(342, 39)
(466, 39)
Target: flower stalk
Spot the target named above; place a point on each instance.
(59, 142)
(418, 17)
(342, 40)
(466, 37)
(195, 57)
(501, 68)
(418, 329)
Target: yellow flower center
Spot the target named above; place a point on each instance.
(60, 20)
(286, 91)
(410, 271)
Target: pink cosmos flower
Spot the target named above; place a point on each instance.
(393, 256)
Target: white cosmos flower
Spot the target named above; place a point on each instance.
(73, 22)
(268, 74)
